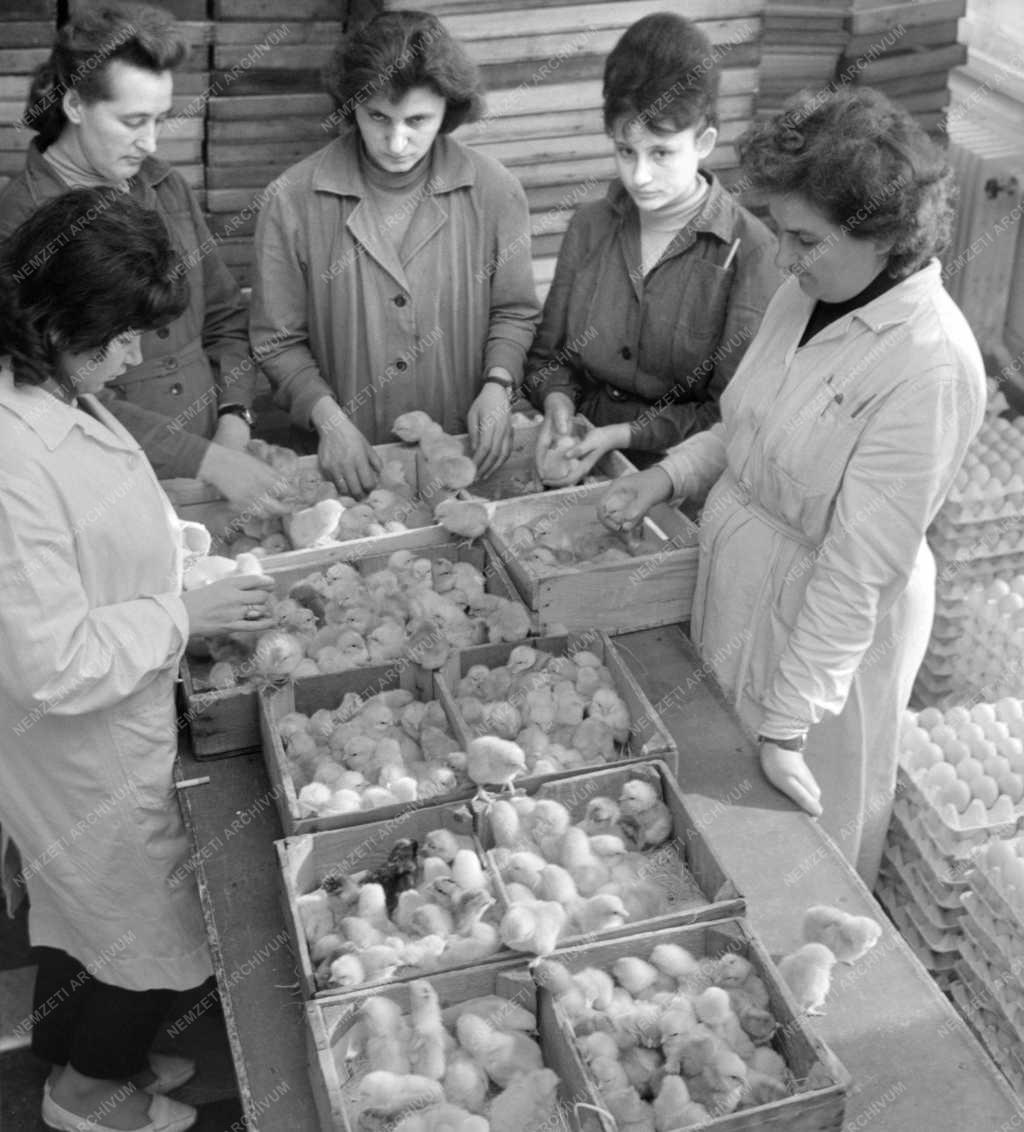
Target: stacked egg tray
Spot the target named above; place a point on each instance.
(989, 656)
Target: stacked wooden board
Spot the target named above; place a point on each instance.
(905, 50)
(26, 34)
(803, 40)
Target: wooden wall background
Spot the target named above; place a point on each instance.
(249, 103)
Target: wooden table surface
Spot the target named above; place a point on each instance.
(914, 1064)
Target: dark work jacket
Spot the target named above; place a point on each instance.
(656, 351)
(168, 402)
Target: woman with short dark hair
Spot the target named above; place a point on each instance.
(94, 624)
(97, 105)
(841, 434)
(393, 266)
(660, 286)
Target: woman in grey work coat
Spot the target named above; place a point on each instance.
(841, 434)
(94, 624)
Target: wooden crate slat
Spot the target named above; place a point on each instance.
(283, 153)
(268, 129)
(880, 18)
(937, 61)
(27, 33)
(299, 10)
(281, 56)
(248, 33)
(263, 106)
(492, 18)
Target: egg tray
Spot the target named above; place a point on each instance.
(988, 889)
(696, 885)
(517, 476)
(992, 542)
(900, 848)
(641, 592)
(820, 1076)
(226, 721)
(950, 873)
(939, 940)
(974, 1005)
(310, 695)
(330, 1021)
(894, 899)
(992, 975)
(988, 930)
(648, 736)
(304, 861)
(956, 841)
(939, 919)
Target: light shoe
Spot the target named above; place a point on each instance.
(169, 1073)
(165, 1115)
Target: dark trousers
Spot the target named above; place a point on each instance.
(101, 1030)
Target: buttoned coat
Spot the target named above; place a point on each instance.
(93, 629)
(815, 590)
(337, 311)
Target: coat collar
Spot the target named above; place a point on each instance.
(51, 419)
(44, 184)
(339, 171)
(717, 214)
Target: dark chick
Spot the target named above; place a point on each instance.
(305, 595)
(398, 873)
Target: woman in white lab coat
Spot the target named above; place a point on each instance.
(841, 434)
(93, 624)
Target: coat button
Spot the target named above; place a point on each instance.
(626, 352)
(176, 389)
(163, 332)
(170, 363)
(399, 300)
(401, 365)
(132, 462)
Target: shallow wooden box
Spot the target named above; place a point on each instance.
(716, 898)
(306, 859)
(817, 1109)
(198, 502)
(330, 1019)
(311, 694)
(648, 738)
(646, 591)
(517, 477)
(226, 722)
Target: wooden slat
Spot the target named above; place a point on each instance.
(27, 33)
(283, 153)
(452, 10)
(879, 18)
(267, 129)
(925, 35)
(908, 64)
(264, 106)
(280, 56)
(22, 60)
(298, 10)
(250, 32)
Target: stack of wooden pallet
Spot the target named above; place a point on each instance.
(803, 40)
(906, 50)
(26, 34)
(543, 65)
(266, 108)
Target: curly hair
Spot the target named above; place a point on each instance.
(83, 269)
(138, 34)
(864, 163)
(397, 51)
(662, 73)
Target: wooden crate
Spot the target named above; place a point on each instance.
(198, 502)
(517, 477)
(330, 1020)
(649, 590)
(706, 892)
(648, 739)
(818, 1108)
(226, 722)
(311, 694)
(305, 861)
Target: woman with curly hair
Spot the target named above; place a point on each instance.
(393, 266)
(660, 286)
(841, 434)
(97, 106)
(94, 623)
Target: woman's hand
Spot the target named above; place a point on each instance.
(597, 443)
(559, 411)
(240, 603)
(249, 485)
(345, 456)
(490, 428)
(232, 432)
(787, 771)
(629, 499)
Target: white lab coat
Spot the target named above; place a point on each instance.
(815, 592)
(93, 629)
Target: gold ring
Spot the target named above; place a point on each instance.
(253, 613)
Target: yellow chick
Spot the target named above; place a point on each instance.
(597, 1044)
(481, 941)
(387, 1035)
(635, 974)
(714, 1009)
(556, 884)
(597, 986)
(675, 961)
(644, 817)
(632, 1114)
(602, 912)
(673, 1107)
(643, 1068)
(721, 1082)
(506, 828)
(426, 1042)
(690, 1052)
(423, 954)
(465, 1082)
(502, 1055)
(493, 761)
(387, 1094)
(501, 1013)
(808, 974)
(533, 928)
(608, 1074)
(469, 910)
(548, 824)
(848, 937)
(346, 972)
(467, 871)
(610, 708)
(527, 1104)
(582, 862)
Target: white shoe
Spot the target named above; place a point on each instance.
(169, 1073)
(165, 1115)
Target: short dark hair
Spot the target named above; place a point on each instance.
(138, 34)
(397, 51)
(662, 73)
(84, 268)
(864, 163)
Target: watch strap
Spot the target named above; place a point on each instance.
(794, 743)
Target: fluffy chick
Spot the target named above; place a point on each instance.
(808, 974)
(491, 761)
(848, 937)
(387, 1035)
(501, 1055)
(533, 928)
(602, 912)
(673, 1107)
(465, 1082)
(426, 1042)
(644, 817)
(528, 1103)
(387, 1093)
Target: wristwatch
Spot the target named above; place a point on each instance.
(237, 410)
(507, 383)
(796, 743)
